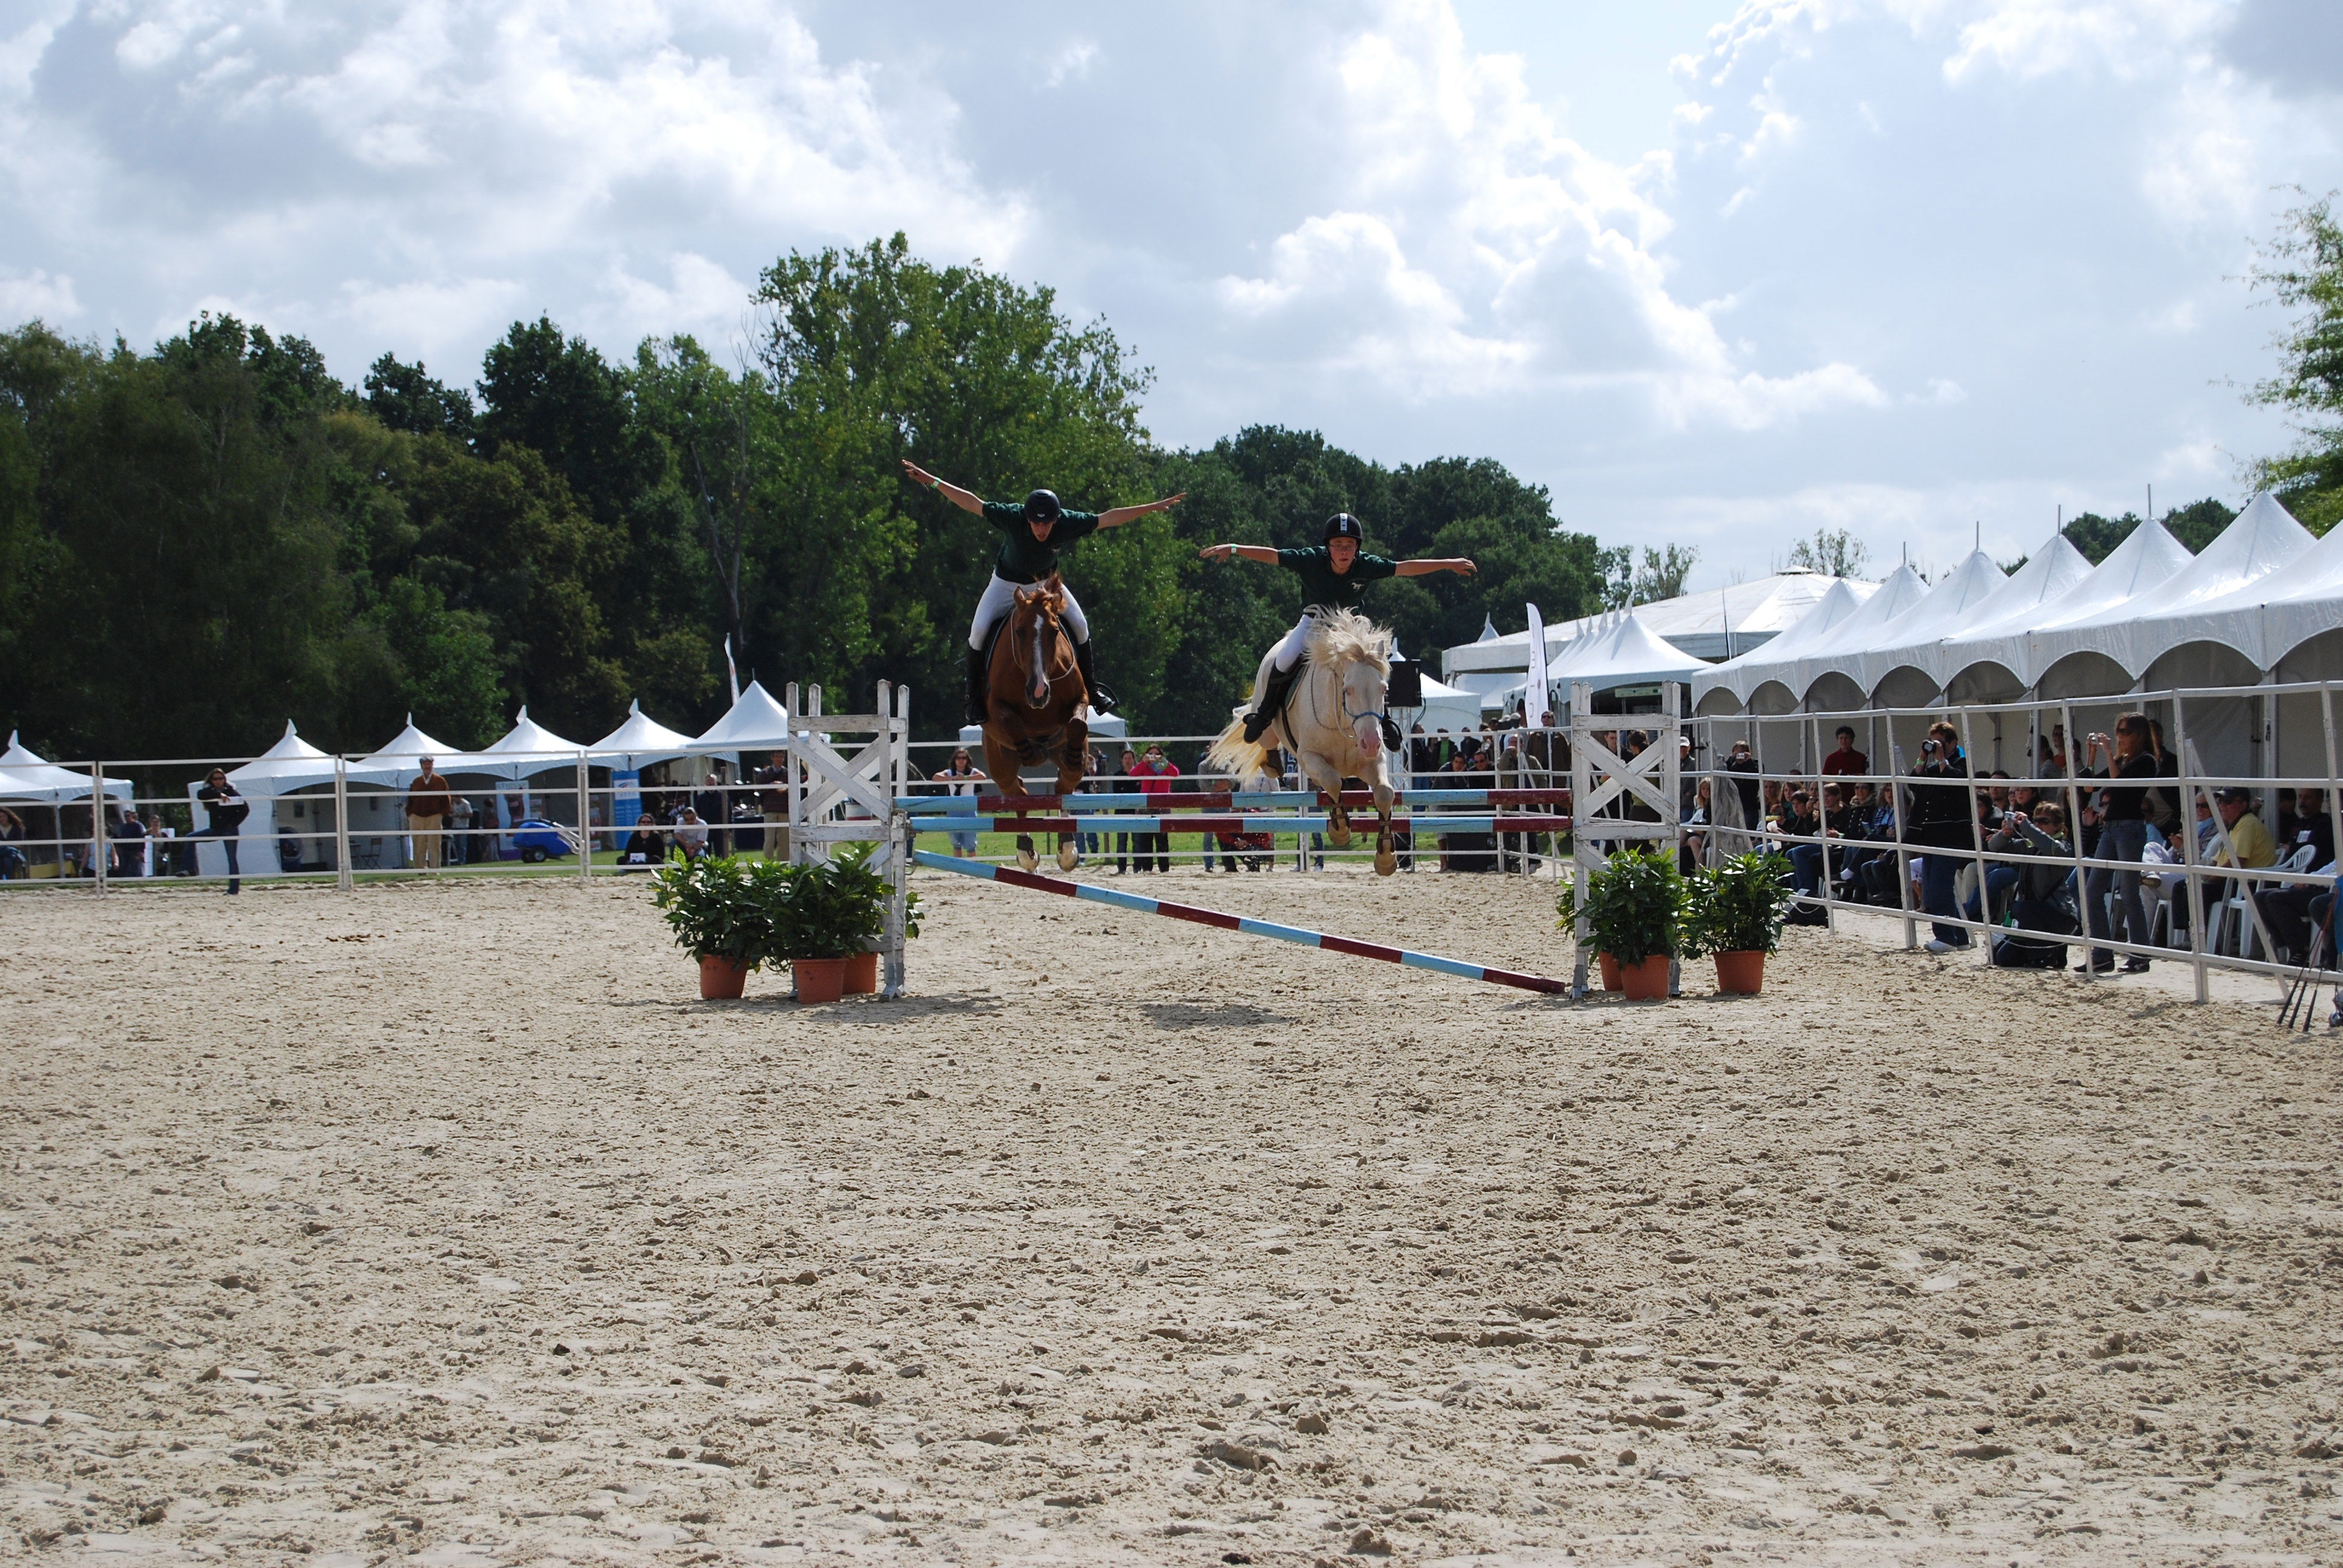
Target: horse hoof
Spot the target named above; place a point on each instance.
(1066, 857)
(1026, 861)
(1338, 835)
(1385, 862)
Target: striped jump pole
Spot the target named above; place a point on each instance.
(1227, 922)
(947, 823)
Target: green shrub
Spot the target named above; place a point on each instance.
(1739, 905)
(1635, 905)
(718, 908)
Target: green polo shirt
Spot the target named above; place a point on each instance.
(1024, 558)
(1322, 585)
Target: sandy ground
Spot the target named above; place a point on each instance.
(443, 1224)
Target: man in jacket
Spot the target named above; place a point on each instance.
(428, 803)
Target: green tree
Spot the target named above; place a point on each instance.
(1834, 552)
(872, 357)
(2303, 273)
(408, 398)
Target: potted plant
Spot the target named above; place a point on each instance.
(1635, 907)
(1738, 910)
(720, 917)
(829, 912)
(858, 895)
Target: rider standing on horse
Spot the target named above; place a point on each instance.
(1034, 534)
(1334, 576)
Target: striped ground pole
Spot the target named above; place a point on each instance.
(1227, 922)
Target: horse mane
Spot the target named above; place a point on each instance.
(1345, 636)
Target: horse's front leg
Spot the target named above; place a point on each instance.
(1325, 773)
(1386, 859)
(1072, 760)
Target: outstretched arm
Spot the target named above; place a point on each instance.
(1461, 564)
(1261, 553)
(966, 501)
(1115, 517)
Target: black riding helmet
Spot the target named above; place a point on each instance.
(1342, 526)
(1042, 507)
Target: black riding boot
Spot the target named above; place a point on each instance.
(975, 674)
(1272, 698)
(1102, 700)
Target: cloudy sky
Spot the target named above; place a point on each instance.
(1714, 274)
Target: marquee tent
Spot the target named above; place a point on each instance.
(1625, 653)
(27, 777)
(404, 752)
(640, 743)
(1711, 625)
(1903, 591)
(2048, 574)
(1743, 673)
(2146, 560)
(1102, 726)
(2261, 541)
(755, 722)
(528, 747)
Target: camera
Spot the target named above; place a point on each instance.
(1930, 747)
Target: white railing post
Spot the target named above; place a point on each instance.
(343, 881)
(99, 850)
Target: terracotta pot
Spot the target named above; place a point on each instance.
(720, 980)
(1610, 967)
(818, 980)
(1741, 974)
(862, 975)
(1645, 981)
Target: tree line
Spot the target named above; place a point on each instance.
(202, 540)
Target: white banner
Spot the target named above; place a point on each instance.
(1533, 689)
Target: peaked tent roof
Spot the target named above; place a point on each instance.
(404, 752)
(526, 748)
(1707, 624)
(1949, 606)
(1900, 592)
(2150, 559)
(1743, 673)
(2047, 576)
(26, 775)
(755, 722)
(2260, 540)
(1626, 653)
(294, 764)
(641, 741)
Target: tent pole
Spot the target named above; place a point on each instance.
(2188, 840)
(2075, 827)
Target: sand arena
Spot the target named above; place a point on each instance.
(441, 1224)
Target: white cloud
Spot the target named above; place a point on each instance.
(36, 294)
(1071, 63)
(1481, 252)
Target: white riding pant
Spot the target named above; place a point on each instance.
(1000, 594)
(1289, 649)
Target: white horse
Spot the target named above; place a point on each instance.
(1333, 721)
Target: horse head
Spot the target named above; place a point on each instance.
(1034, 628)
(1359, 654)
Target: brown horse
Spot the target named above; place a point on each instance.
(1035, 703)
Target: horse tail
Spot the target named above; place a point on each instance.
(1235, 755)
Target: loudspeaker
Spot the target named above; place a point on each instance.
(1405, 688)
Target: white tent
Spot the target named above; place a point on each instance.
(1715, 624)
(528, 747)
(290, 765)
(1902, 591)
(1446, 707)
(1743, 673)
(400, 757)
(2048, 574)
(755, 722)
(2146, 560)
(2261, 541)
(640, 743)
(1625, 653)
(27, 777)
